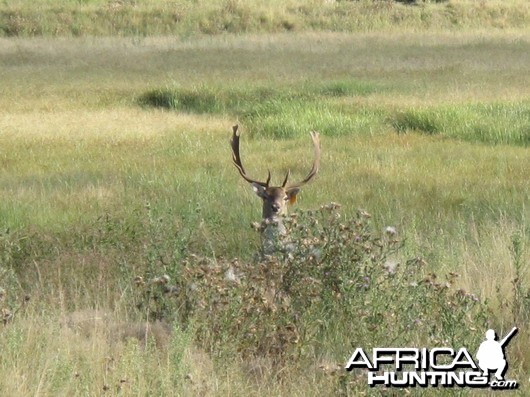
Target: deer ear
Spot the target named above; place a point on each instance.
(259, 190)
(291, 193)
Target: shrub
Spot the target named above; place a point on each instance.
(336, 271)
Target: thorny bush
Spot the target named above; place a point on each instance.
(338, 282)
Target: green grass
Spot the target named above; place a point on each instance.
(291, 112)
(115, 163)
(503, 123)
(272, 112)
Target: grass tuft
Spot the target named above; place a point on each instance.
(506, 123)
(416, 121)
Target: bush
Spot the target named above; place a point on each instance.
(336, 271)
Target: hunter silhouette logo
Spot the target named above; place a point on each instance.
(490, 354)
(439, 366)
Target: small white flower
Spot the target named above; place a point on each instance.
(391, 230)
(391, 266)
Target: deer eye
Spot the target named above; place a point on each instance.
(286, 198)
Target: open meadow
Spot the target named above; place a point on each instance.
(115, 171)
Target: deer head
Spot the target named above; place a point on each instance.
(275, 198)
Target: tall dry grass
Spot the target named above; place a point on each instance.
(192, 18)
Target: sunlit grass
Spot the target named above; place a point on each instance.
(210, 17)
(428, 133)
(64, 165)
(489, 123)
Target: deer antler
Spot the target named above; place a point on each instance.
(237, 160)
(275, 198)
(316, 163)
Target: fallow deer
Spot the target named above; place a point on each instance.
(275, 198)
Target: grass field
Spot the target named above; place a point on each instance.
(115, 164)
(188, 18)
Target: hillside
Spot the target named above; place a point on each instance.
(189, 17)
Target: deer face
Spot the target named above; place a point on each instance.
(275, 199)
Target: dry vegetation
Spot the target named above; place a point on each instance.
(211, 17)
